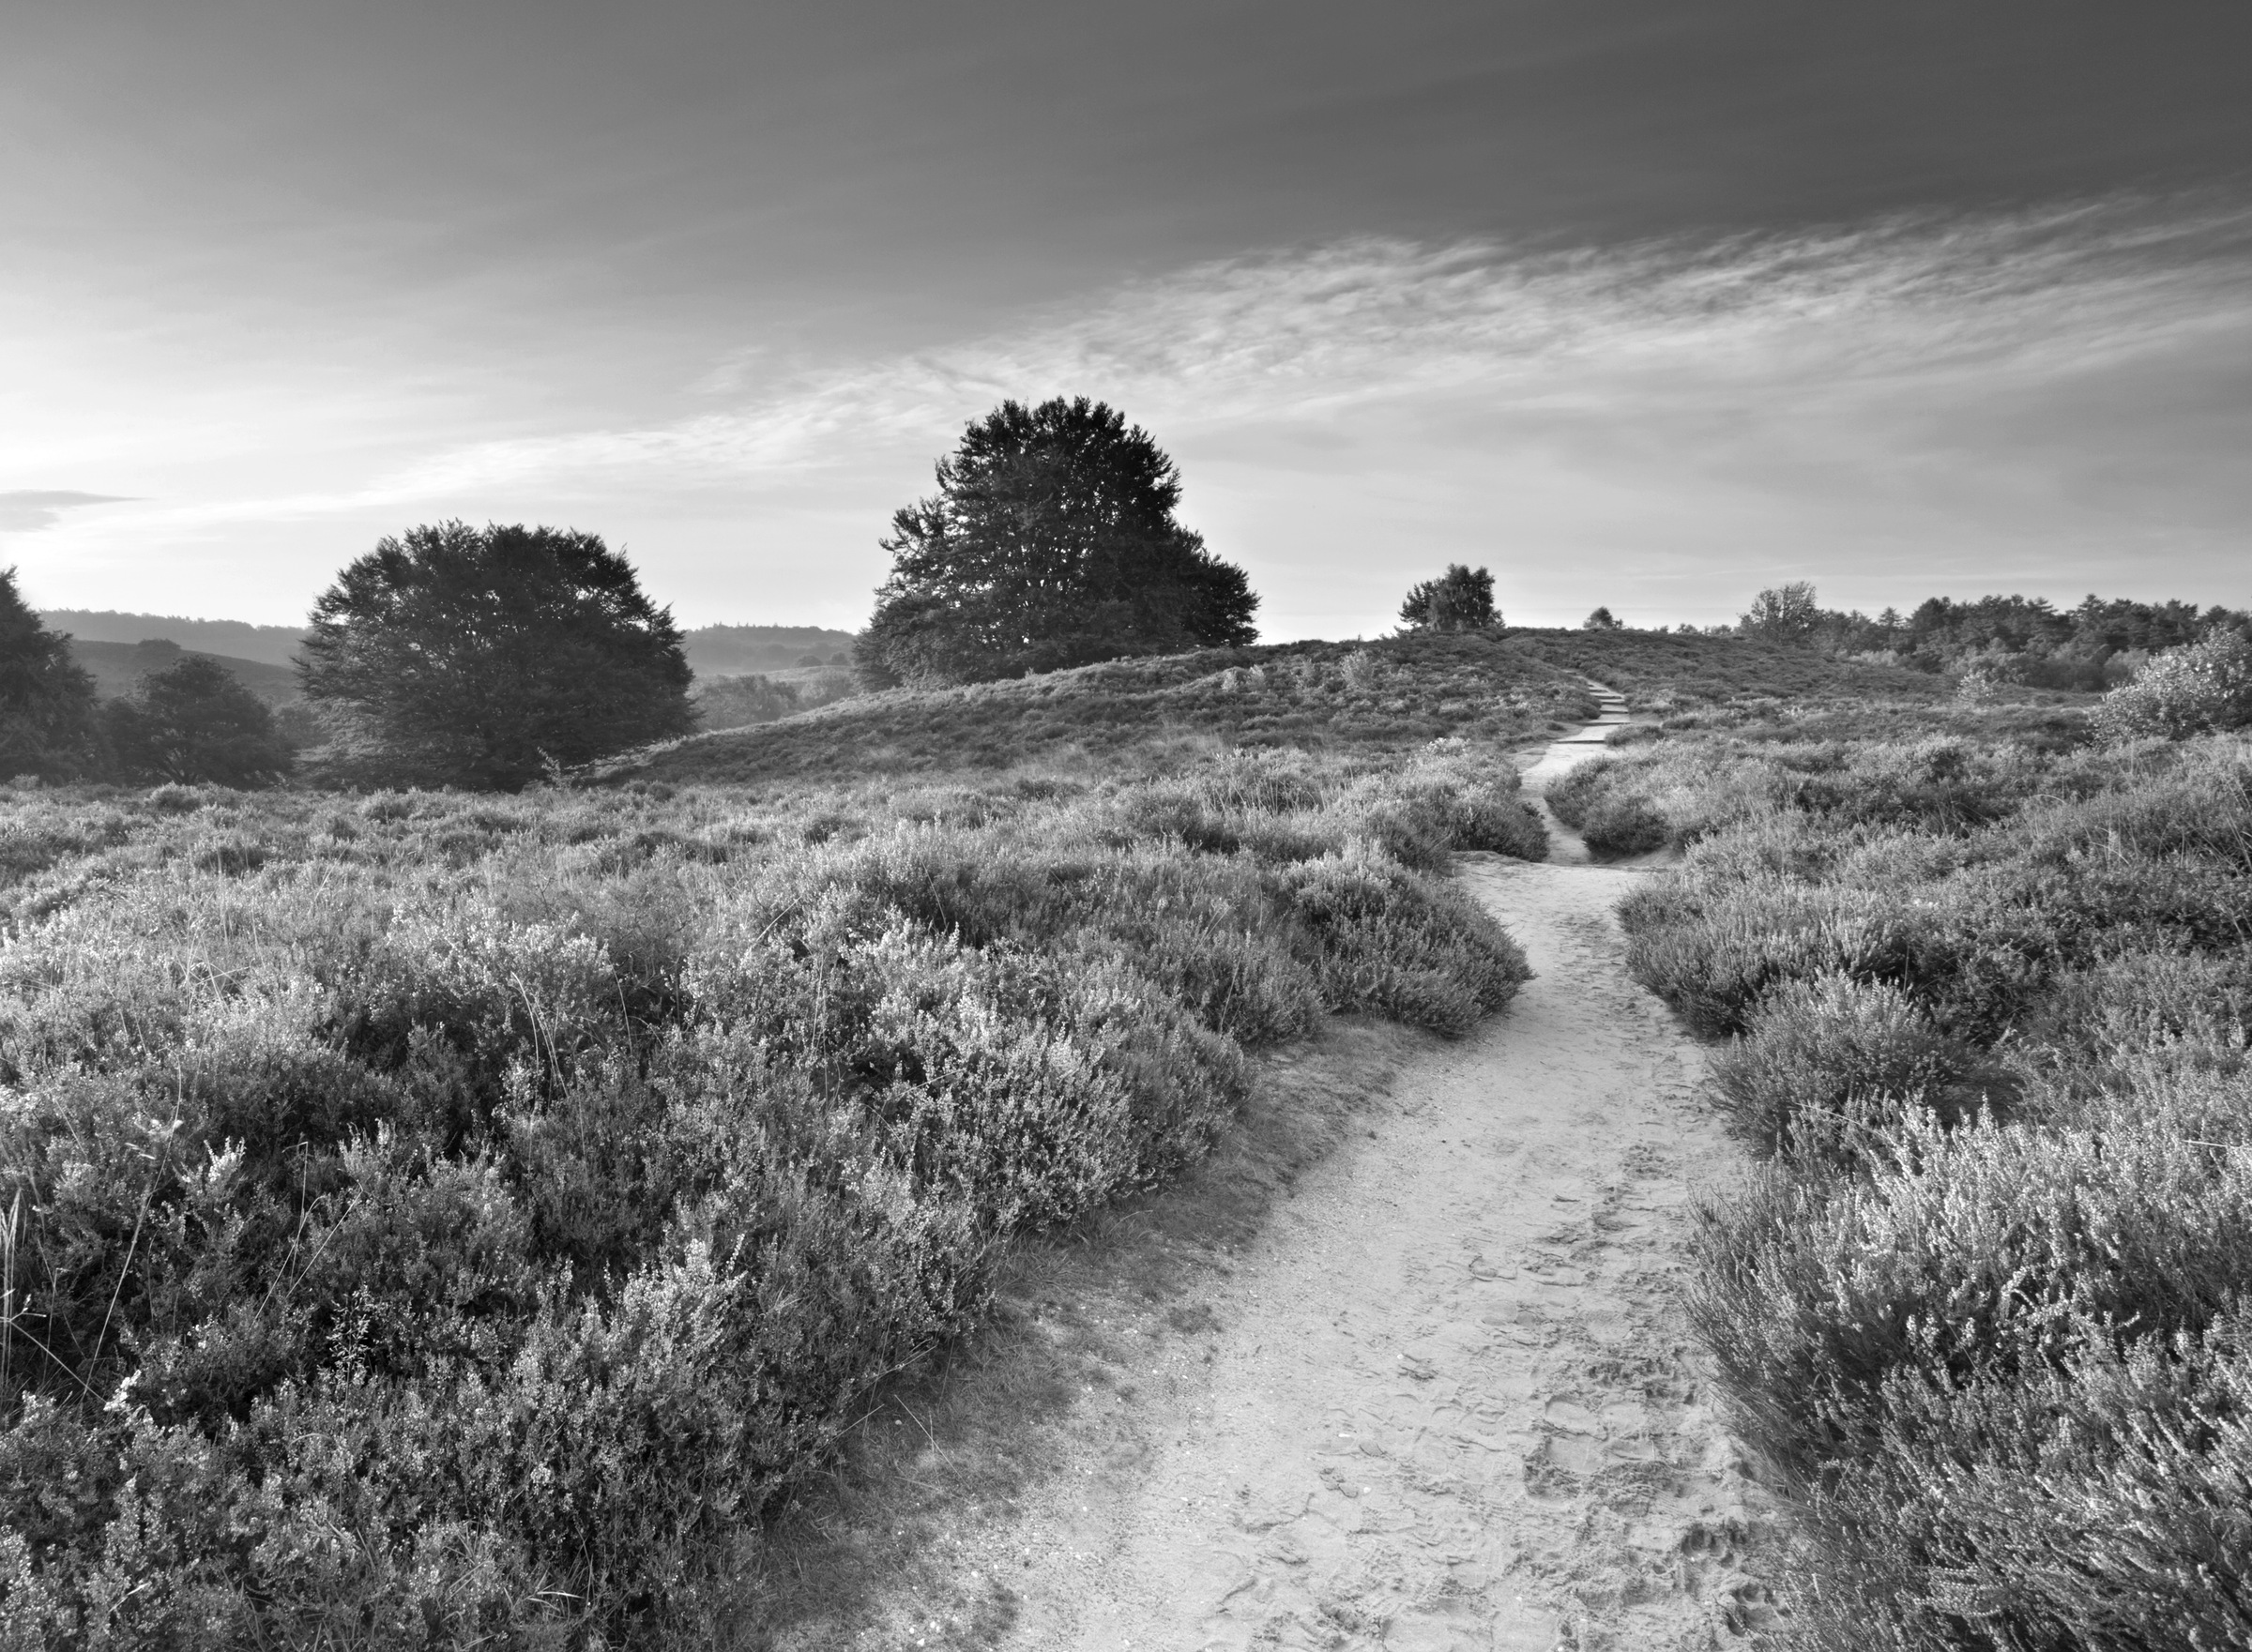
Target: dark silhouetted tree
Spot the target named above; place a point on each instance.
(1460, 600)
(1051, 542)
(47, 710)
(1601, 620)
(195, 722)
(483, 657)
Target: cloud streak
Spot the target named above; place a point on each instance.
(30, 511)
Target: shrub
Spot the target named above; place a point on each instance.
(2005, 1375)
(1998, 1364)
(1823, 1058)
(1504, 825)
(447, 1221)
(2097, 1504)
(1382, 943)
(1617, 827)
(1979, 1253)
(2192, 690)
(1714, 958)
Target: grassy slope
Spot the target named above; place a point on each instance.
(1399, 691)
(1664, 669)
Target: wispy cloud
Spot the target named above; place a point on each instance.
(27, 511)
(1292, 334)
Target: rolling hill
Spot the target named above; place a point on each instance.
(117, 668)
(229, 639)
(1497, 688)
(713, 650)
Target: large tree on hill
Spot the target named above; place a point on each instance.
(1050, 542)
(481, 657)
(1460, 600)
(47, 726)
(195, 722)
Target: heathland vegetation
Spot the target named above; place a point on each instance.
(1982, 978)
(458, 1216)
(434, 1218)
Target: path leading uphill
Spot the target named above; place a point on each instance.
(1449, 1400)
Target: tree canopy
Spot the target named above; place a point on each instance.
(195, 722)
(47, 724)
(1460, 600)
(1050, 542)
(481, 657)
(1603, 619)
(1782, 613)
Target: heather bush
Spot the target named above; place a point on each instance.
(1715, 956)
(1980, 1253)
(1824, 1059)
(440, 1220)
(1979, 1310)
(2098, 1503)
(2200, 686)
(2004, 1375)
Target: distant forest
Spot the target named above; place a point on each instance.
(713, 650)
(2095, 646)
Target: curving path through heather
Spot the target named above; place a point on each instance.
(1434, 1393)
(1451, 1402)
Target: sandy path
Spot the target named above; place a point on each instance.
(1451, 1400)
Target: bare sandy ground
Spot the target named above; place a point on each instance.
(1434, 1392)
(1453, 1402)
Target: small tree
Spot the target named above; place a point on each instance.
(481, 657)
(194, 722)
(1460, 600)
(1782, 613)
(1051, 542)
(1601, 620)
(47, 722)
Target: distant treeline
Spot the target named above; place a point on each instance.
(2092, 647)
(712, 650)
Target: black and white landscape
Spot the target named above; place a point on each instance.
(1224, 825)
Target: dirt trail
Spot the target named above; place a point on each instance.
(1451, 1400)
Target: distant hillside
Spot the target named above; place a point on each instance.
(1491, 687)
(118, 668)
(733, 650)
(267, 645)
(713, 650)
(1128, 713)
(1676, 670)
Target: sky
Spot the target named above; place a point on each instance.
(1647, 303)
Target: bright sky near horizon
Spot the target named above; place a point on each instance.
(1646, 304)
